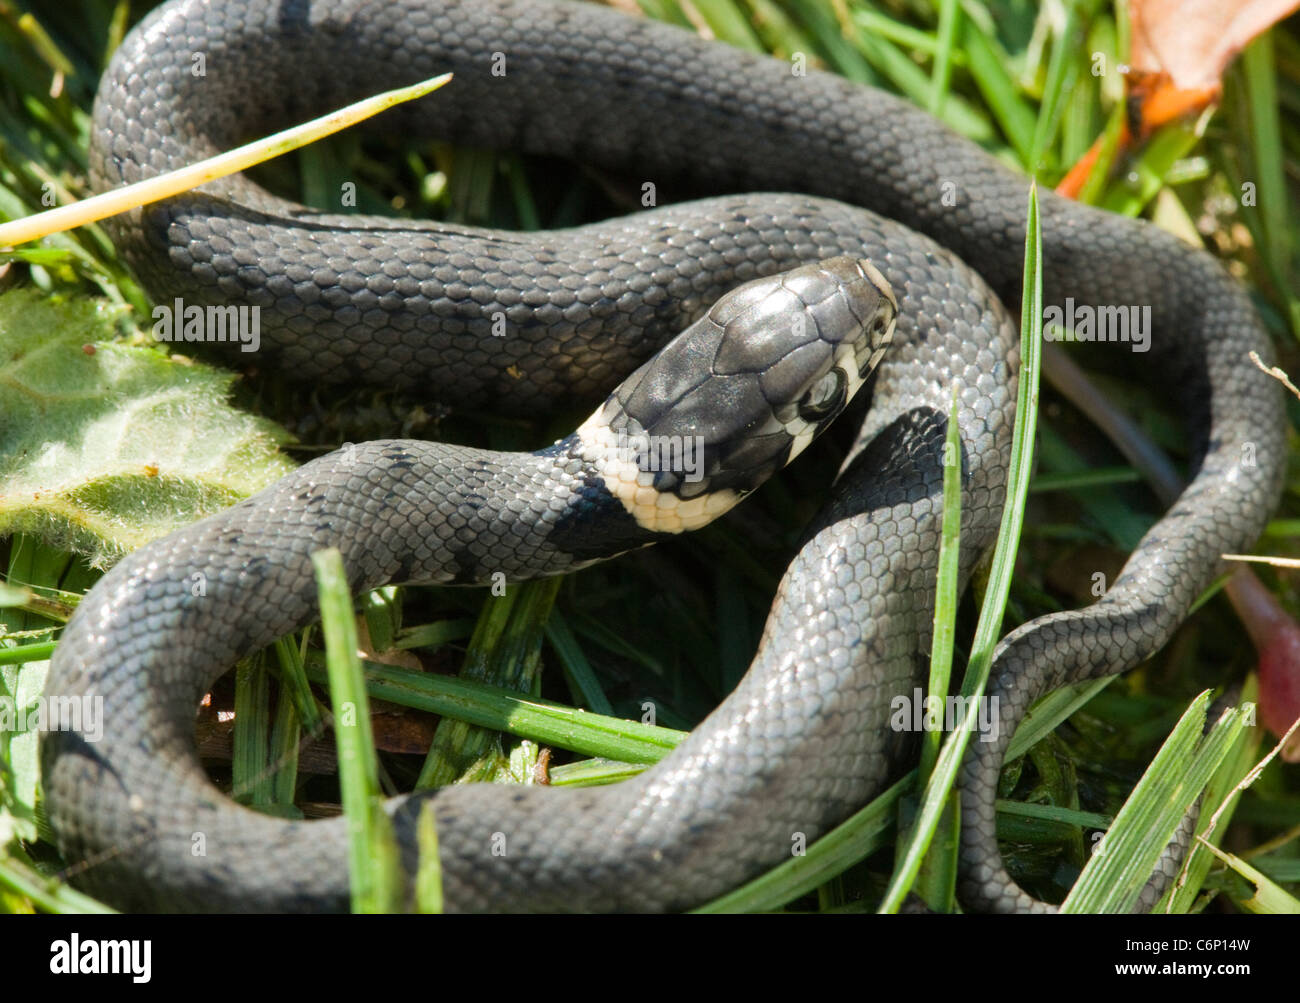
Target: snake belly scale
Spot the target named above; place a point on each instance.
(804, 739)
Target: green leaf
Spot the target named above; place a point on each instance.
(103, 446)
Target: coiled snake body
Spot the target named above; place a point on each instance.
(804, 740)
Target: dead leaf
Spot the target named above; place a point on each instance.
(1193, 41)
(1179, 52)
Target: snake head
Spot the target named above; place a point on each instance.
(741, 392)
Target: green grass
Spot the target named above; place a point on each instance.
(938, 804)
(665, 634)
(373, 857)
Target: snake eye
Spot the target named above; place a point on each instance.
(826, 398)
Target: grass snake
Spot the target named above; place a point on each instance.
(797, 168)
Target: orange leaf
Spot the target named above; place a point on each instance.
(1194, 40)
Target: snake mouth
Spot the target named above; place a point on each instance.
(879, 326)
(740, 393)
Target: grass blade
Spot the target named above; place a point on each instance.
(839, 849)
(505, 710)
(372, 850)
(941, 72)
(935, 800)
(1123, 860)
(174, 182)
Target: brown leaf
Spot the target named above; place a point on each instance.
(1180, 49)
(1194, 40)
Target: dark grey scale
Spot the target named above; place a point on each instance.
(594, 524)
(804, 740)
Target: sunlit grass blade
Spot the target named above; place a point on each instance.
(503, 710)
(935, 800)
(1147, 173)
(505, 650)
(1122, 862)
(1062, 69)
(1042, 718)
(593, 773)
(250, 777)
(174, 182)
(846, 844)
(19, 877)
(728, 22)
(293, 676)
(1269, 898)
(1272, 198)
(833, 40)
(946, 598)
(937, 879)
(27, 653)
(1222, 795)
(778, 32)
(372, 849)
(941, 72)
(428, 877)
(895, 65)
(987, 66)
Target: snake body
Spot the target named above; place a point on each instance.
(804, 740)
